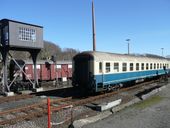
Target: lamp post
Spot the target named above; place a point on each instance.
(162, 51)
(128, 40)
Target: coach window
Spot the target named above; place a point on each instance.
(166, 66)
(160, 65)
(150, 65)
(147, 66)
(107, 67)
(131, 66)
(116, 67)
(137, 66)
(100, 67)
(157, 66)
(154, 66)
(142, 66)
(124, 67)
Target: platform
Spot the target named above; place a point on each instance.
(9, 93)
(106, 106)
(37, 89)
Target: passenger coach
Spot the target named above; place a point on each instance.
(97, 71)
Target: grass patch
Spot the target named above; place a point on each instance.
(149, 102)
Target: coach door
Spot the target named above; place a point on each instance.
(82, 69)
(100, 79)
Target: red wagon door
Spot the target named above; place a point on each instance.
(45, 71)
(28, 71)
(58, 71)
(70, 70)
(53, 75)
(38, 71)
(48, 72)
(64, 68)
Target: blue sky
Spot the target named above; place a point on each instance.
(68, 23)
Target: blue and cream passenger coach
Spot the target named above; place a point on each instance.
(97, 71)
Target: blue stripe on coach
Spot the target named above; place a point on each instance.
(107, 79)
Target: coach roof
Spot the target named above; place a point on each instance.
(100, 56)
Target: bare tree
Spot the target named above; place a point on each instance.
(50, 49)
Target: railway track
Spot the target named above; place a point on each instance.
(93, 98)
(28, 112)
(15, 98)
(39, 109)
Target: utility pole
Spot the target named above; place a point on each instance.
(128, 40)
(94, 29)
(162, 52)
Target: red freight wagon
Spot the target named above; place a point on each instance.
(29, 70)
(45, 70)
(64, 70)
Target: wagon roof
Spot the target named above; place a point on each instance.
(49, 61)
(39, 61)
(63, 62)
(98, 56)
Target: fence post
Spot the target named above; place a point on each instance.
(49, 113)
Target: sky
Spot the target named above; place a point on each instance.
(68, 23)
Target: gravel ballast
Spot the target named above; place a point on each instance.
(152, 113)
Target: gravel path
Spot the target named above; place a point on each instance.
(154, 115)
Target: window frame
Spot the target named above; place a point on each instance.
(157, 65)
(160, 65)
(124, 67)
(107, 68)
(151, 66)
(117, 67)
(100, 67)
(137, 66)
(142, 66)
(147, 66)
(131, 66)
(154, 66)
(27, 34)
